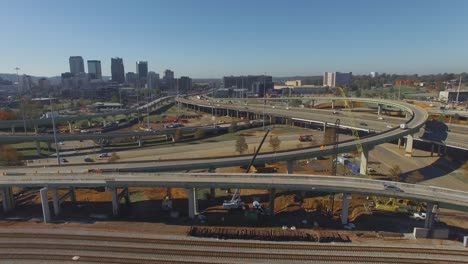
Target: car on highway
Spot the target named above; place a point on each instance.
(371, 170)
(61, 143)
(363, 124)
(104, 155)
(335, 112)
(390, 187)
(88, 160)
(63, 160)
(418, 216)
(380, 118)
(404, 126)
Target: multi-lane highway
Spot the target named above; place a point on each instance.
(447, 198)
(418, 119)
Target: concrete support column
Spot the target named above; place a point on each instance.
(333, 104)
(56, 201)
(272, 201)
(379, 109)
(431, 210)
(89, 122)
(140, 143)
(70, 127)
(8, 200)
(432, 149)
(12, 129)
(291, 166)
(192, 202)
(49, 145)
(438, 150)
(72, 195)
(409, 146)
(104, 121)
(345, 208)
(364, 161)
(115, 202)
(36, 129)
(45, 205)
(38, 147)
(399, 143)
(324, 126)
(313, 103)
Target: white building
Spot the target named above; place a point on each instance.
(373, 74)
(334, 79)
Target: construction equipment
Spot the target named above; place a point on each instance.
(236, 202)
(394, 205)
(349, 108)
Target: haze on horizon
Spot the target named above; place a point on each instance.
(210, 39)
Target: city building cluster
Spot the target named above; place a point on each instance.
(77, 79)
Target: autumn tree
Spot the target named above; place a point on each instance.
(233, 127)
(395, 173)
(10, 156)
(178, 135)
(200, 133)
(415, 177)
(275, 143)
(241, 144)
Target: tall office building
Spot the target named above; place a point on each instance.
(184, 84)
(142, 70)
(153, 80)
(168, 80)
(94, 69)
(117, 70)
(131, 78)
(76, 64)
(334, 79)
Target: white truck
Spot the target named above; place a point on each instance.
(49, 115)
(404, 126)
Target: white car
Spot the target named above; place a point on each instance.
(61, 143)
(418, 216)
(380, 118)
(370, 170)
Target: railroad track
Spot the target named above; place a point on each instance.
(97, 251)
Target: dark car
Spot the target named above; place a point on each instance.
(363, 124)
(88, 160)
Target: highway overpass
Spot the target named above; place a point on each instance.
(446, 198)
(417, 120)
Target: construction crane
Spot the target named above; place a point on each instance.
(349, 108)
(236, 201)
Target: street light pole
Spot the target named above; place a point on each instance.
(21, 99)
(57, 152)
(264, 100)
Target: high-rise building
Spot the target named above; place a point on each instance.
(117, 70)
(334, 79)
(76, 64)
(131, 78)
(168, 80)
(249, 82)
(142, 70)
(153, 80)
(184, 84)
(94, 69)
(373, 74)
(44, 83)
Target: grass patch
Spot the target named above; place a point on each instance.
(137, 197)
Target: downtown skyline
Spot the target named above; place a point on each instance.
(211, 39)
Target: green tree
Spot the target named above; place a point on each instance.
(178, 135)
(115, 99)
(275, 143)
(200, 133)
(241, 144)
(395, 173)
(233, 127)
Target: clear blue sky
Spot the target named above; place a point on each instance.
(212, 38)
